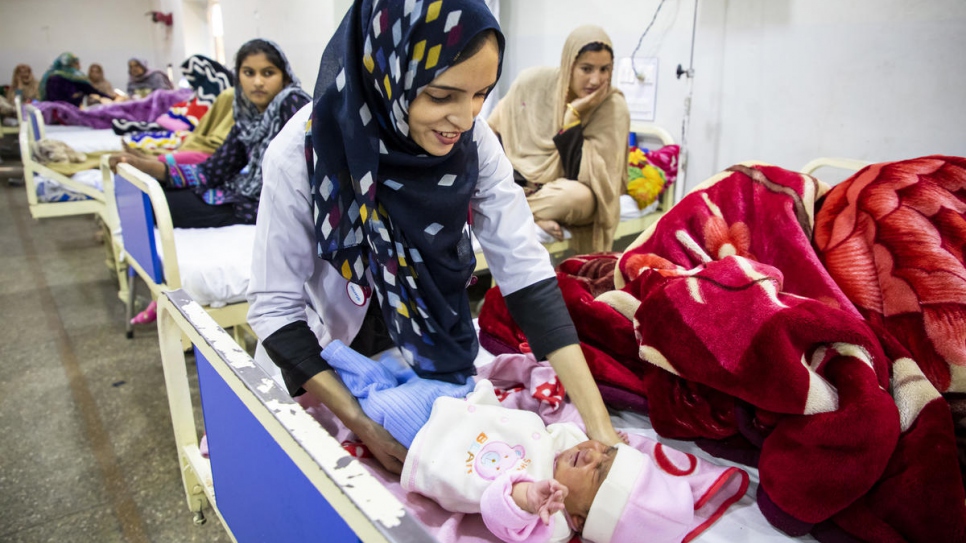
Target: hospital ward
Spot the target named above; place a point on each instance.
(483, 271)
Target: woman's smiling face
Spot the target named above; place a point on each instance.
(447, 106)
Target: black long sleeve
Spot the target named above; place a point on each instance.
(541, 313)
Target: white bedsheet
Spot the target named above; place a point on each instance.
(743, 521)
(629, 209)
(85, 140)
(215, 263)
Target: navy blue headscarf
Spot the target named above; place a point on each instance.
(378, 198)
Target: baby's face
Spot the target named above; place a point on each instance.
(582, 469)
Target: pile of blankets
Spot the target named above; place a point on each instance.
(812, 345)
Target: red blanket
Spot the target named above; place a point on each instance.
(893, 238)
(728, 324)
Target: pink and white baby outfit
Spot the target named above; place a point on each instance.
(472, 451)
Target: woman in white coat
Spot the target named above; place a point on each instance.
(369, 195)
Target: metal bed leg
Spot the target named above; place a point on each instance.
(129, 306)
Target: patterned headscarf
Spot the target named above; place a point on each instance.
(102, 85)
(257, 128)
(29, 90)
(63, 67)
(378, 197)
(207, 77)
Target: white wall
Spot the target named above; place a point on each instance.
(795, 79)
(536, 31)
(107, 32)
(782, 81)
(302, 28)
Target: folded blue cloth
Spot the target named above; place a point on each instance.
(390, 394)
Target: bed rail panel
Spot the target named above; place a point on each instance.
(274, 473)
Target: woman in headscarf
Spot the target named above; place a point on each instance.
(95, 73)
(565, 131)
(363, 237)
(224, 189)
(23, 83)
(64, 82)
(142, 81)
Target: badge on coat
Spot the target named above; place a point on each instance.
(358, 294)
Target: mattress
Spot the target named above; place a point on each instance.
(215, 263)
(85, 140)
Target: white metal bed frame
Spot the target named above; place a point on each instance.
(342, 500)
(32, 129)
(141, 253)
(4, 130)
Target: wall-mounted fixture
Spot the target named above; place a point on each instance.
(158, 17)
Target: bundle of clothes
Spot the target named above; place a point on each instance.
(816, 334)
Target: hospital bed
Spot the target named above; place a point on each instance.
(273, 472)
(845, 166)
(241, 403)
(14, 130)
(633, 221)
(211, 264)
(52, 194)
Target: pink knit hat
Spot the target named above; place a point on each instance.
(660, 495)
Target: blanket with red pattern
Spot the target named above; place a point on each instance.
(893, 237)
(725, 321)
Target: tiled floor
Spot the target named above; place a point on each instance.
(87, 452)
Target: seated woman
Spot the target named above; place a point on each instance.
(95, 73)
(565, 131)
(142, 82)
(23, 84)
(224, 189)
(64, 82)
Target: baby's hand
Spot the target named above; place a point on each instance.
(624, 437)
(545, 498)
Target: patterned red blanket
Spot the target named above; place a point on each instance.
(724, 324)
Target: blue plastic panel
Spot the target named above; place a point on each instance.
(137, 227)
(261, 493)
(35, 125)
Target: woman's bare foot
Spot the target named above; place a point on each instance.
(551, 227)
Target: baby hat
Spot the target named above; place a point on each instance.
(639, 501)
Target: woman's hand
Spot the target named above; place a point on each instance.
(154, 168)
(389, 452)
(586, 105)
(573, 372)
(329, 389)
